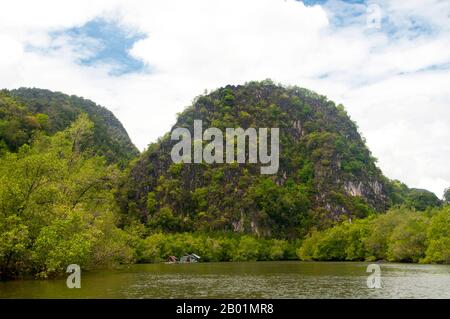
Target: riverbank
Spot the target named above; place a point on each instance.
(400, 235)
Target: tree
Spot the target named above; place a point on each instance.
(380, 230)
(438, 237)
(332, 245)
(56, 206)
(408, 240)
(422, 199)
(248, 249)
(447, 196)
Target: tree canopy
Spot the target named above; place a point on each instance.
(57, 205)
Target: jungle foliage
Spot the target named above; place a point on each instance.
(25, 110)
(57, 206)
(73, 190)
(400, 235)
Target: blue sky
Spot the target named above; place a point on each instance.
(147, 60)
(106, 43)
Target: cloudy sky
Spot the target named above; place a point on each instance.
(388, 62)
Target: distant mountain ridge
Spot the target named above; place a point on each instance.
(56, 111)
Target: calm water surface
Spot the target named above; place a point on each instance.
(244, 280)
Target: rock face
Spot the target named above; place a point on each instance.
(326, 172)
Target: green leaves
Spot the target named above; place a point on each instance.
(422, 199)
(66, 240)
(447, 195)
(56, 206)
(438, 237)
(407, 240)
(212, 247)
(25, 111)
(14, 241)
(418, 199)
(401, 235)
(286, 206)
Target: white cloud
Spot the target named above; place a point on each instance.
(383, 77)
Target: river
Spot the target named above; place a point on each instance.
(288, 279)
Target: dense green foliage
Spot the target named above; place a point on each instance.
(159, 246)
(70, 194)
(57, 206)
(418, 199)
(17, 123)
(326, 172)
(25, 110)
(400, 235)
(447, 196)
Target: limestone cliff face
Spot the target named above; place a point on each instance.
(326, 172)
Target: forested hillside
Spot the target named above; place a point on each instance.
(24, 110)
(326, 172)
(57, 206)
(73, 188)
